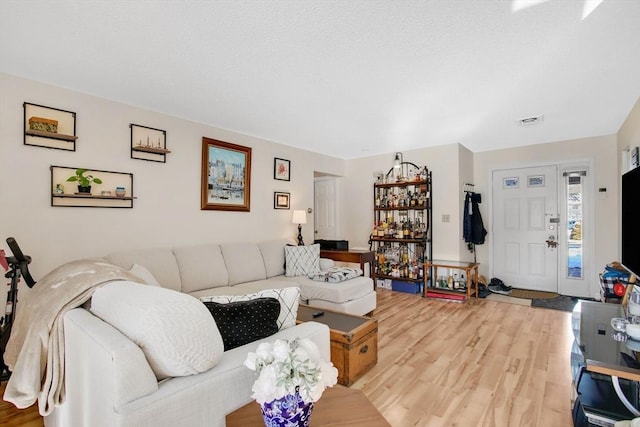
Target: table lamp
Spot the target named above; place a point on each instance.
(299, 217)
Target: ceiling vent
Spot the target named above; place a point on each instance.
(530, 121)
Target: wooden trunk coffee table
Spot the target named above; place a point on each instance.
(338, 406)
(354, 341)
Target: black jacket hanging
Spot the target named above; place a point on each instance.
(478, 231)
(473, 227)
(466, 219)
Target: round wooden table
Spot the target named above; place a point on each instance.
(338, 406)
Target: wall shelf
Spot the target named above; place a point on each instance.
(150, 150)
(92, 196)
(63, 193)
(52, 135)
(148, 143)
(49, 127)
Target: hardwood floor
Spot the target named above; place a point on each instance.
(483, 363)
(443, 363)
(12, 417)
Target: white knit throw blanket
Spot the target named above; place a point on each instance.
(336, 274)
(35, 351)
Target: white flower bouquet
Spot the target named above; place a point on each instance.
(284, 367)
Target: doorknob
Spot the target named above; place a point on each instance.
(551, 242)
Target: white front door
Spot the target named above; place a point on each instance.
(525, 227)
(325, 209)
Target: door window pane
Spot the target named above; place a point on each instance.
(574, 227)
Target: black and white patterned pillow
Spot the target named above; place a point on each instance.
(242, 322)
(289, 299)
(302, 260)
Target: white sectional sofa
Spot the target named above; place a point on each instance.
(108, 380)
(242, 268)
(110, 384)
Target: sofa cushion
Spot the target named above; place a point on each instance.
(144, 275)
(288, 297)
(338, 293)
(302, 260)
(242, 322)
(161, 263)
(176, 333)
(244, 262)
(201, 267)
(273, 256)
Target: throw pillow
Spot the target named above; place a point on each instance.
(242, 322)
(326, 263)
(145, 275)
(302, 260)
(289, 299)
(175, 331)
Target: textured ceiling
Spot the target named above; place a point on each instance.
(344, 78)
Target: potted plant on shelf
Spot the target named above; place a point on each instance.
(84, 181)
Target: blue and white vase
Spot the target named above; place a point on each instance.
(287, 411)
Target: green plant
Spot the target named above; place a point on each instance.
(82, 179)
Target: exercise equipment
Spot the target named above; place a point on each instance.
(16, 266)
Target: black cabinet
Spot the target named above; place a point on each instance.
(602, 361)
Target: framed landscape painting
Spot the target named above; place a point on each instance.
(226, 176)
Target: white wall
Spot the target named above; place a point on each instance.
(465, 159)
(357, 196)
(629, 133)
(167, 210)
(601, 150)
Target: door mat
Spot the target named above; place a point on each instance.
(508, 299)
(528, 294)
(561, 302)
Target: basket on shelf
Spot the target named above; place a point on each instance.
(42, 124)
(607, 285)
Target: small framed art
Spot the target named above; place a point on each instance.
(281, 200)
(281, 169)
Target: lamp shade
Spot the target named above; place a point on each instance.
(299, 217)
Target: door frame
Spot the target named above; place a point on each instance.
(588, 213)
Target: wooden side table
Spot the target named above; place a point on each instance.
(338, 406)
(356, 256)
(468, 267)
(354, 341)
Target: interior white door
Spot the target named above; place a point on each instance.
(325, 209)
(525, 227)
